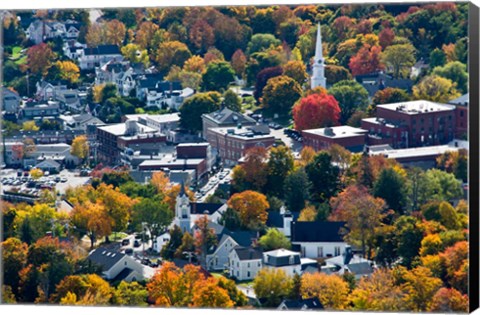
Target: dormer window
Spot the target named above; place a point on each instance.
(292, 260)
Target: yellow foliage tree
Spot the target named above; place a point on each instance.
(30, 126)
(80, 147)
(36, 173)
(331, 290)
(68, 71)
(308, 214)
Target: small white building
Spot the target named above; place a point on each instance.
(118, 266)
(244, 262)
(319, 239)
(89, 58)
(284, 259)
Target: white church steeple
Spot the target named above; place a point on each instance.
(182, 210)
(318, 71)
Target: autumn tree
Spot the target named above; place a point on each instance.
(280, 164)
(232, 101)
(399, 59)
(30, 125)
(296, 70)
(379, 292)
(39, 58)
(334, 74)
(80, 147)
(172, 53)
(254, 172)
(218, 76)
(153, 214)
(273, 285)
(316, 111)
(448, 300)
(420, 287)
(86, 289)
(262, 78)
(69, 71)
(239, 61)
(202, 35)
(386, 37)
(274, 239)
(95, 35)
(331, 290)
(114, 32)
(145, 34)
(135, 54)
(14, 258)
(456, 72)
(194, 64)
(323, 175)
(205, 238)
(367, 60)
(362, 213)
(91, 219)
(252, 208)
(436, 89)
(351, 96)
(261, 42)
(36, 173)
(130, 294)
(390, 95)
(209, 294)
(193, 108)
(296, 189)
(308, 214)
(280, 94)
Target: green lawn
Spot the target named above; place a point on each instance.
(17, 56)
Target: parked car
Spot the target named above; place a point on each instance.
(125, 242)
(136, 243)
(129, 251)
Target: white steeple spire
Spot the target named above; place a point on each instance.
(318, 71)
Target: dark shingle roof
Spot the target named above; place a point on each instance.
(227, 117)
(312, 303)
(363, 268)
(105, 258)
(382, 81)
(318, 231)
(281, 257)
(204, 208)
(243, 238)
(102, 50)
(248, 253)
(275, 218)
(123, 274)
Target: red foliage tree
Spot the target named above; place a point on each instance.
(367, 60)
(386, 37)
(40, 58)
(202, 36)
(263, 77)
(316, 111)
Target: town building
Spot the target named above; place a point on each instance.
(39, 31)
(411, 124)
(318, 75)
(461, 115)
(374, 82)
(284, 259)
(319, 239)
(351, 138)
(11, 101)
(92, 57)
(224, 117)
(165, 123)
(244, 262)
(231, 144)
(301, 304)
(114, 139)
(39, 111)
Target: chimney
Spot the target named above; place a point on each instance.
(348, 255)
(287, 221)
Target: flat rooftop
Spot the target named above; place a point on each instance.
(245, 133)
(417, 107)
(337, 132)
(388, 152)
(121, 129)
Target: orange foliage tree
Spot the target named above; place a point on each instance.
(316, 111)
(252, 208)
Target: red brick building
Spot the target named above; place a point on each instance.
(113, 139)
(351, 138)
(461, 115)
(411, 124)
(232, 143)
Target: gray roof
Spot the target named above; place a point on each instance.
(462, 100)
(103, 50)
(105, 258)
(281, 257)
(48, 163)
(363, 268)
(318, 231)
(228, 117)
(248, 253)
(312, 303)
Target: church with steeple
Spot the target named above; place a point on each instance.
(182, 211)
(318, 68)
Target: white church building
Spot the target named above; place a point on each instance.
(318, 68)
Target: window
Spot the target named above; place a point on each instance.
(248, 265)
(461, 114)
(125, 263)
(259, 264)
(248, 274)
(320, 251)
(337, 250)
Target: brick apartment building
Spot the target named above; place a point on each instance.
(224, 118)
(112, 140)
(411, 124)
(461, 115)
(232, 143)
(351, 138)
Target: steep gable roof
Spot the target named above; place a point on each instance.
(105, 258)
(226, 116)
(248, 253)
(318, 231)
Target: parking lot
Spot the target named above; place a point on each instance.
(25, 183)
